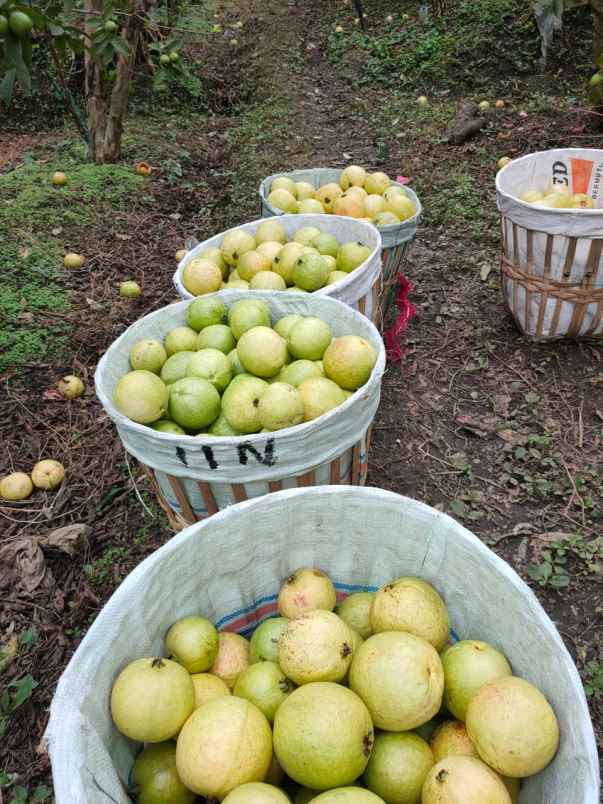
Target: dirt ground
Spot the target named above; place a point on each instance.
(504, 435)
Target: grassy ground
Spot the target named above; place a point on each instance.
(504, 435)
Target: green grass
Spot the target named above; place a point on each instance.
(31, 261)
(477, 44)
(31, 203)
(31, 284)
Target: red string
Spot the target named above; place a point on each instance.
(406, 310)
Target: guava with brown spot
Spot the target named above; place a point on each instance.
(463, 780)
(265, 685)
(306, 589)
(317, 646)
(223, 744)
(513, 727)
(232, 657)
(323, 736)
(412, 605)
(399, 677)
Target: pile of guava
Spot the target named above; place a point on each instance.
(230, 372)
(267, 260)
(371, 197)
(360, 702)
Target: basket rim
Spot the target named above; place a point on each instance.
(546, 210)
(188, 440)
(390, 227)
(325, 291)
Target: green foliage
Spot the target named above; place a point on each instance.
(553, 571)
(15, 695)
(458, 47)
(20, 794)
(593, 679)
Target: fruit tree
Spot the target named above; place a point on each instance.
(112, 37)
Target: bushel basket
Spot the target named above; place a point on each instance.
(551, 267)
(361, 289)
(195, 476)
(230, 568)
(397, 237)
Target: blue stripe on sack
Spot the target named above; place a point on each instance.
(239, 612)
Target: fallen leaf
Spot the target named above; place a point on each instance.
(175, 216)
(52, 395)
(599, 414)
(511, 437)
(479, 427)
(57, 230)
(485, 271)
(68, 539)
(24, 564)
(347, 156)
(25, 318)
(94, 305)
(24, 252)
(120, 236)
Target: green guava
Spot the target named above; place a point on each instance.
(398, 767)
(193, 643)
(216, 336)
(221, 428)
(208, 687)
(285, 260)
(225, 743)
(236, 243)
(148, 355)
(211, 365)
(310, 272)
(256, 793)
(309, 338)
(280, 406)
(306, 235)
(156, 778)
(265, 685)
(355, 611)
(349, 361)
(204, 312)
(270, 231)
(317, 646)
(262, 351)
(246, 314)
(319, 396)
(298, 371)
(141, 396)
(284, 325)
(468, 665)
(308, 588)
(175, 366)
(400, 678)
(323, 736)
(351, 255)
(413, 605)
(263, 646)
(168, 426)
(240, 403)
(180, 339)
(463, 779)
(194, 403)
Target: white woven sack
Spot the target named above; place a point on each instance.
(251, 460)
(230, 567)
(360, 289)
(582, 171)
(393, 235)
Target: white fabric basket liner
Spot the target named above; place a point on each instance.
(258, 457)
(230, 567)
(358, 284)
(392, 235)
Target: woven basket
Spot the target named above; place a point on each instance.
(551, 267)
(194, 477)
(397, 238)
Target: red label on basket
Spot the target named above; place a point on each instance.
(582, 170)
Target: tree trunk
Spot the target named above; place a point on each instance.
(124, 69)
(95, 95)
